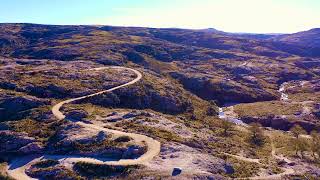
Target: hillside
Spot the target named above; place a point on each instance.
(192, 82)
(211, 54)
(308, 39)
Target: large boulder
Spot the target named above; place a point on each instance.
(76, 115)
(176, 171)
(133, 152)
(34, 147)
(101, 136)
(229, 168)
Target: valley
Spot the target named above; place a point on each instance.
(97, 102)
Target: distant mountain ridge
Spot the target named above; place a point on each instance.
(310, 38)
(14, 37)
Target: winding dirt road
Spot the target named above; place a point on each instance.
(17, 168)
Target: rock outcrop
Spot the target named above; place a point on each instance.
(77, 140)
(16, 107)
(168, 99)
(133, 152)
(13, 142)
(76, 115)
(282, 123)
(224, 91)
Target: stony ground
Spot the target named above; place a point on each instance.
(186, 76)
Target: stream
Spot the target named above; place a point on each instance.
(222, 115)
(284, 96)
(230, 119)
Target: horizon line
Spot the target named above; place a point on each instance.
(149, 27)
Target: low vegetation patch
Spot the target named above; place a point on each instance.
(153, 132)
(40, 130)
(263, 109)
(243, 169)
(98, 170)
(3, 175)
(46, 163)
(54, 173)
(123, 139)
(306, 96)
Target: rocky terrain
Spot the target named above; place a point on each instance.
(300, 107)
(186, 75)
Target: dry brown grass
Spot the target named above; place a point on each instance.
(305, 96)
(261, 109)
(40, 130)
(243, 169)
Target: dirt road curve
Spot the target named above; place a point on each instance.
(17, 168)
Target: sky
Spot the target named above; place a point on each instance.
(251, 16)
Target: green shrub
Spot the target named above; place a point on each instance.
(100, 170)
(123, 139)
(3, 177)
(46, 163)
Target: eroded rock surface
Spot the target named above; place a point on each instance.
(13, 142)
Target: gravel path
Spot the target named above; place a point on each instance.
(17, 167)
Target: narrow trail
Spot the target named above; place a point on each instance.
(286, 170)
(242, 158)
(17, 168)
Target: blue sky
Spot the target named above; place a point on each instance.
(256, 16)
